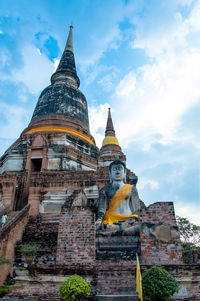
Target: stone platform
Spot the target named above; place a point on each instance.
(116, 298)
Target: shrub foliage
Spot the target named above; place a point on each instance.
(74, 288)
(29, 249)
(4, 289)
(158, 284)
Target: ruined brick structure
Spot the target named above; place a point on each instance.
(54, 171)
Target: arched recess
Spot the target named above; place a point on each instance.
(37, 155)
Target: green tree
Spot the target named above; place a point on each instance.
(189, 233)
(158, 284)
(187, 252)
(190, 238)
(74, 288)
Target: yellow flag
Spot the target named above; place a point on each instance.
(139, 280)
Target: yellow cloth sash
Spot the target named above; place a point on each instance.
(112, 217)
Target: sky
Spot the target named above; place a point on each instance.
(140, 58)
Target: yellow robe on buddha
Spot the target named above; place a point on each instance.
(112, 217)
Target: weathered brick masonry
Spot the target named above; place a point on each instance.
(9, 235)
(160, 241)
(76, 237)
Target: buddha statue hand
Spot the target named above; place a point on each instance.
(98, 224)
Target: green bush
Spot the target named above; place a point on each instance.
(4, 289)
(74, 288)
(30, 249)
(158, 284)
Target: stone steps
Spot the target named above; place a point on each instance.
(13, 299)
(39, 294)
(49, 218)
(55, 297)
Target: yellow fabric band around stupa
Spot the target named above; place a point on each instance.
(110, 140)
(60, 129)
(112, 217)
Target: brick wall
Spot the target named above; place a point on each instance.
(159, 212)
(76, 235)
(42, 233)
(9, 235)
(118, 277)
(188, 277)
(115, 277)
(160, 241)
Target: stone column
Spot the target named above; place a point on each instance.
(28, 160)
(44, 160)
(34, 200)
(8, 193)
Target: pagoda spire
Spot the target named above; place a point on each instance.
(69, 44)
(110, 132)
(109, 127)
(66, 69)
(110, 146)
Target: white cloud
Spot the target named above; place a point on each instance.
(193, 22)
(111, 73)
(23, 97)
(107, 39)
(108, 34)
(38, 50)
(171, 31)
(127, 85)
(151, 100)
(106, 82)
(163, 38)
(152, 184)
(14, 118)
(189, 211)
(92, 73)
(98, 118)
(36, 71)
(56, 63)
(4, 58)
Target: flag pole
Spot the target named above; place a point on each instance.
(138, 279)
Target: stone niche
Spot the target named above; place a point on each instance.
(14, 162)
(53, 201)
(54, 163)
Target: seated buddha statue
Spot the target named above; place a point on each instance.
(118, 204)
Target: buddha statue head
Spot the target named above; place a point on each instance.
(117, 171)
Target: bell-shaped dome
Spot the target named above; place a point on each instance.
(63, 98)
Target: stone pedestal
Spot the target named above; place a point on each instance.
(119, 247)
